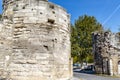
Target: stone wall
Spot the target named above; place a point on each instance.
(35, 41)
(106, 49)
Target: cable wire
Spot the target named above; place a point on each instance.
(110, 16)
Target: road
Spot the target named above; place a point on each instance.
(84, 76)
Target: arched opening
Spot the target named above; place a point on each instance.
(119, 67)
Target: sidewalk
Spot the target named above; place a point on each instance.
(74, 78)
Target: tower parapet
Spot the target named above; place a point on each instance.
(41, 10)
(6, 3)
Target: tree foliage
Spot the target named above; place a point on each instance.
(81, 38)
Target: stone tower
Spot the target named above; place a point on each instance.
(35, 41)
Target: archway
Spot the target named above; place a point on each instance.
(119, 67)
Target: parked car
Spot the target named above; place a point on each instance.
(76, 66)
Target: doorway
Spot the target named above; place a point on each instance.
(119, 67)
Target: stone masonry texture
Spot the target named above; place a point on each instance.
(106, 49)
(34, 41)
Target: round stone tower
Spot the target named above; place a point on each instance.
(40, 40)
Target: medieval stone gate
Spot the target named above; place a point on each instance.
(106, 49)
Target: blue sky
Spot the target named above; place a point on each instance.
(107, 12)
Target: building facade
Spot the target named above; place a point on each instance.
(106, 49)
(34, 41)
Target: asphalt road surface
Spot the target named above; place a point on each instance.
(85, 76)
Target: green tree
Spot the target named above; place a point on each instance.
(74, 44)
(81, 38)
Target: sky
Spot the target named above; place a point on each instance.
(107, 12)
